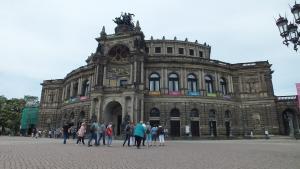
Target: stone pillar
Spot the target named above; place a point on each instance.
(104, 76)
(142, 109)
(200, 80)
(71, 89)
(142, 72)
(134, 71)
(216, 82)
(131, 74)
(63, 94)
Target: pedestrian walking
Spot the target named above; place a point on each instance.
(139, 133)
(93, 134)
(101, 131)
(127, 134)
(81, 132)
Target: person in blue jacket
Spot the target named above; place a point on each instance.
(139, 133)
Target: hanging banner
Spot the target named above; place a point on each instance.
(298, 93)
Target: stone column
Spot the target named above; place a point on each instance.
(166, 79)
(63, 94)
(104, 76)
(142, 72)
(71, 89)
(134, 71)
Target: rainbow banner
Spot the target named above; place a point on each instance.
(298, 93)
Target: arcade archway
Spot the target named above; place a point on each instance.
(113, 113)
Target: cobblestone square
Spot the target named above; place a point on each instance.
(22, 152)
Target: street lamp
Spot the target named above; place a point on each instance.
(289, 31)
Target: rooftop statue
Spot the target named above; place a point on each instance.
(124, 19)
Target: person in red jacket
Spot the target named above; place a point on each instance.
(109, 134)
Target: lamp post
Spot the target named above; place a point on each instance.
(289, 31)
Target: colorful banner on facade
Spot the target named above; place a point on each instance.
(174, 93)
(298, 93)
(193, 93)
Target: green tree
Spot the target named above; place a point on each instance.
(10, 114)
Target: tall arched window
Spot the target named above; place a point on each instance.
(223, 86)
(212, 114)
(192, 83)
(75, 89)
(85, 88)
(173, 82)
(209, 84)
(175, 113)
(194, 113)
(68, 91)
(154, 82)
(227, 114)
(154, 113)
(81, 115)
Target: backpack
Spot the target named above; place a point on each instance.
(108, 131)
(127, 128)
(93, 128)
(148, 130)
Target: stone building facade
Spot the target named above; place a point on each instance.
(167, 82)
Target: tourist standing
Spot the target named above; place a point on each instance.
(154, 134)
(81, 132)
(161, 136)
(139, 133)
(132, 138)
(65, 130)
(101, 132)
(148, 134)
(109, 134)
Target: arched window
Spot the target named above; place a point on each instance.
(72, 115)
(212, 114)
(223, 86)
(75, 89)
(154, 82)
(209, 84)
(227, 114)
(194, 113)
(173, 82)
(85, 88)
(154, 113)
(68, 91)
(81, 115)
(175, 113)
(192, 83)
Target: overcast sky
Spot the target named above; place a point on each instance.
(42, 40)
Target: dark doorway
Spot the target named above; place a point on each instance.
(113, 114)
(154, 123)
(288, 122)
(227, 127)
(195, 128)
(175, 128)
(213, 128)
(119, 125)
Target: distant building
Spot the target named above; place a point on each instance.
(30, 113)
(168, 82)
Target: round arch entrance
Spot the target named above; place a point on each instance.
(290, 122)
(113, 113)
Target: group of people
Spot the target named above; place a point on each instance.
(139, 133)
(134, 135)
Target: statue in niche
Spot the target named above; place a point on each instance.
(99, 49)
